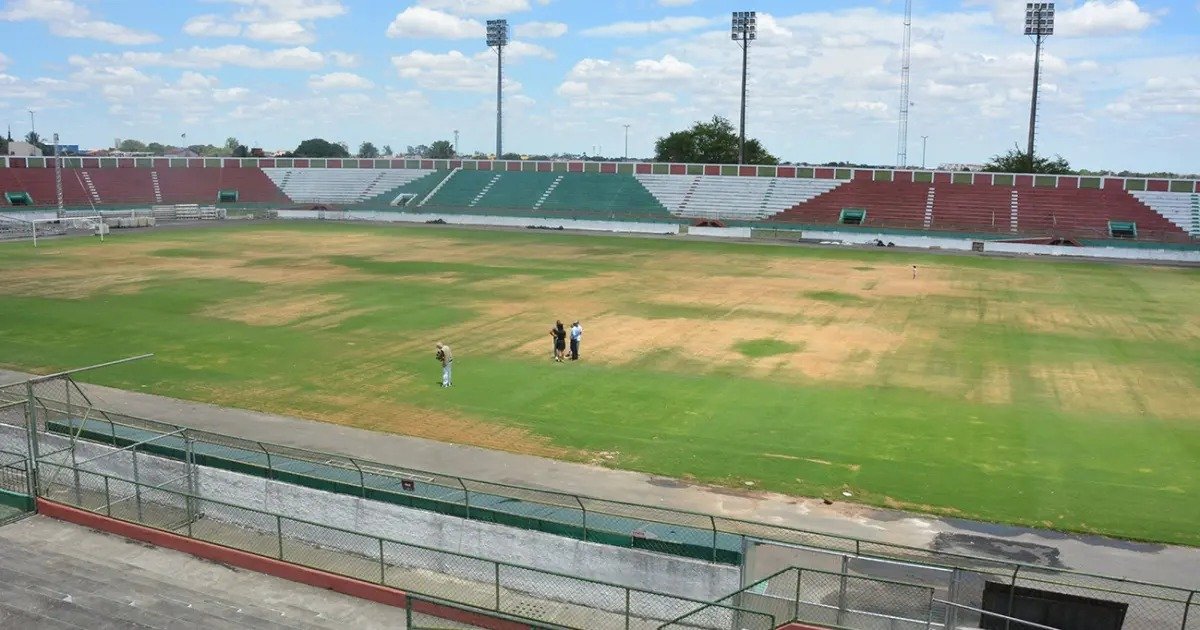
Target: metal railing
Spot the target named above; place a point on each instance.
(497, 587)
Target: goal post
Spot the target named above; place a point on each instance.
(94, 223)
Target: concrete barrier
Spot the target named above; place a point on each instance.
(632, 227)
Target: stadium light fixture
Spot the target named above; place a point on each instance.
(743, 30)
(1039, 24)
(497, 37)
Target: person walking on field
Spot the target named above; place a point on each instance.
(447, 358)
(560, 340)
(576, 337)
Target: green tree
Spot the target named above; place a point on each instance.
(367, 150)
(156, 148)
(320, 148)
(231, 145)
(240, 151)
(713, 142)
(387, 150)
(1017, 161)
(510, 156)
(132, 146)
(441, 150)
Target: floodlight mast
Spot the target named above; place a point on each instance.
(1039, 24)
(497, 37)
(905, 69)
(743, 30)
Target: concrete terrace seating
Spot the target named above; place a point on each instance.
(339, 185)
(1181, 209)
(746, 198)
(124, 186)
(603, 193)
(1086, 212)
(891, 204)
(201, 185)
(971, 207)
(38, 183)
(547, 193)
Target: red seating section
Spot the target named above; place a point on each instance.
(39, 184)
(135, 186)
(1066, 211)
(200, 185)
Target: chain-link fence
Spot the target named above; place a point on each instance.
(65, 421)
(521, 592)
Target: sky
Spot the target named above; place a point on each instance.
(1120, 83)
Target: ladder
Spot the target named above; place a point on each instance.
(929, 207)
(158, 198)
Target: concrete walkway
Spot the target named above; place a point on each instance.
(1172, 565)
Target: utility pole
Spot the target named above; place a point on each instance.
(497, 37)
(58, 190)
(32, 127)
(455, 143)
(924, 139)
(905, 69)
(626, 142)
(744, 29)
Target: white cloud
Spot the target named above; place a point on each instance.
(278, 21)
(517, 50)
(420, 22)
(652, 27)
(3, 61)
(1159, 96)
(209, 25)
(339, 81)
(541, 30)
(66, 18)
(676, 3)
(452, 71)
(477, 7)
(343, 59)
(599, 83)
(298, 58)
(1102, 17)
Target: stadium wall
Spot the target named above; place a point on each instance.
(627, 168)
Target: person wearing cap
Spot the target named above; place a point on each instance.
(447, 358)
(576, 337)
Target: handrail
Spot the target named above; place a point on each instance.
(46, 377)
(1030, 624)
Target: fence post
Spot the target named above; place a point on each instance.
(279, 534)
(951, 620)
(796, 604)
(1012, 595)
(382, 565)
(1187, 607)
(841, 612)
(192, 486)
(628, 612)
(270, 468)
(31, 426)
(584, 510)
(75, 472)
(497, 567)
(108, 500)
(137, 487)
(466, 496)
(408, 620)
(712, 519)
(362, 482)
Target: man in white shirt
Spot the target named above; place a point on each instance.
(447, 358)
(576, 337)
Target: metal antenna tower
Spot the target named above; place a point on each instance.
(905, 68)
(743, 30)
(497, 37)
(58, 176)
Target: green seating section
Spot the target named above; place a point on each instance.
(548, 194)
(419, 187)
(603, 193)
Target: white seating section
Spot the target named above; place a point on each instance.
(1182, 209)
(339, 185)
(745, 198)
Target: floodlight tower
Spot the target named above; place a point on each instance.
(905, 67)
(744, 30)
(1039, 24)
(497, 37)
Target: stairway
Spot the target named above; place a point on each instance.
(546, 195)
(484, 191)
(766, 199)
(1195, 231)
(929, 207)
(158, 198)
(439, 186)
(1013, 205)
(91, 188)
(687, 196)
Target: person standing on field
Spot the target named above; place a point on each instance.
(447, 358)
(576, 337)
(560, 340)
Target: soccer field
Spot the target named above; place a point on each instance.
(1046, 393)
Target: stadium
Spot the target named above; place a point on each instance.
(801, 396)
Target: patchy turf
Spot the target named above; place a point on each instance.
(1021, 391)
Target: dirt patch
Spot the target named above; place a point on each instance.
(279, 311)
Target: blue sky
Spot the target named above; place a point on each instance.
(1121, 83)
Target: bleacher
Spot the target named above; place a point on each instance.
(1087, 212)
(603, 193)
(746, 198)
(38, 184)
(583, 195)
(972, 208)
(341, 186)
(892, 204)
(1181, 209)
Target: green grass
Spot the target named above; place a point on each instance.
(1045, 393)
(758, 348)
